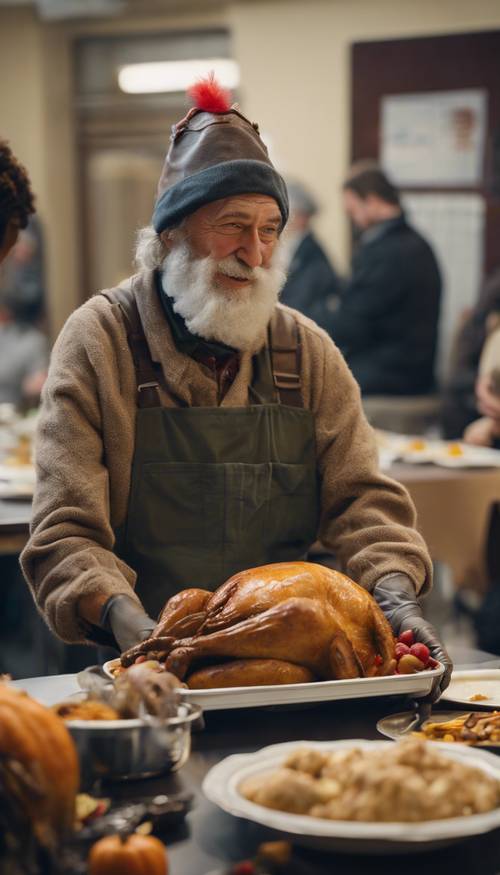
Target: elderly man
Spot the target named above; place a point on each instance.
(192, 427)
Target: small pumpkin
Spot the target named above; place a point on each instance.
(134, 855)
(40, 763)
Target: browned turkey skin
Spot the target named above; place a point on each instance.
(272, 619)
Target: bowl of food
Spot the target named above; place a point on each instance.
(363, 796)
(136, 729)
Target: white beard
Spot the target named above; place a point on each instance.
(238, 319)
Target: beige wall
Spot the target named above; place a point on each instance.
(294, 57)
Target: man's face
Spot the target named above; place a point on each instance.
(246, 227)
(358, 209)
(223, 269)
(10, 237)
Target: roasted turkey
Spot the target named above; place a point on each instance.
(291, 622)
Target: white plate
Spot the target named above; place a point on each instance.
(465, 684)
(436, 452)
(319, 691)
(222, 781)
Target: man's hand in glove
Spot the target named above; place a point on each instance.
(126, 620)
(395, 595)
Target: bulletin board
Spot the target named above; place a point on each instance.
(430, 72)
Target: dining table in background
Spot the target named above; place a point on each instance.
(15, 519)
(457, 514)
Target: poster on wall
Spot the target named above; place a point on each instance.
(434, 139)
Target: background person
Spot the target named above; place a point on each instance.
(459, 391)
(486, 430)
(174, 449)
(387, 321)
(16, 199)
(312, 286)
(23, 348)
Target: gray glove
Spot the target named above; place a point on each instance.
(396, 597)
(126, 620)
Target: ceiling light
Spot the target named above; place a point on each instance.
(171, 76)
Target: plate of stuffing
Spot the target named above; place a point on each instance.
(362, 796)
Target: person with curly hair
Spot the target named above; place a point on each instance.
(23, 347)
(16, 199)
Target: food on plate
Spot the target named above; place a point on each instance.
(412, 656)
(417, 445)
(475, 727)
(454, 450)
(478, 697)
(142, 689)
(249, 673)
(39, 778)
(21, 454)
(89, 709)
(271, 620)
(88, 809)
(408, 781)
(128, 854)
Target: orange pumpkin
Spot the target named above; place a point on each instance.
(35, 740)
(134, 855)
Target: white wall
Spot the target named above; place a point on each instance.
(295, 66)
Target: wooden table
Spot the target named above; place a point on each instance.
(211, 839)
(456, 514)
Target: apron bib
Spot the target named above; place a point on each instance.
(216, 490)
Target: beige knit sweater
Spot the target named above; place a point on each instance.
(85, 444)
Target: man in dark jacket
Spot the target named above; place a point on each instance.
(387, 322)
(312, 285)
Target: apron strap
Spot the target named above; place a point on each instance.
(148, 389)
(284, 345)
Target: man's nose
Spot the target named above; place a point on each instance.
(250, 249)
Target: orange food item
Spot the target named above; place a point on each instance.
(249, 673)
(134, 855)
(87, 710)
(291, 612)
(417, 445)
(455, 450)
(35, 739)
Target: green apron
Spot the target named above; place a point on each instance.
(215, 490)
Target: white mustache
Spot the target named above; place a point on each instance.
(230, 266)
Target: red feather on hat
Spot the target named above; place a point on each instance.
(210, 96)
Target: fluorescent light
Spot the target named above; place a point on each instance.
(165, 76)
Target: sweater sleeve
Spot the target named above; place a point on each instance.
(70, 550)
(367, 519)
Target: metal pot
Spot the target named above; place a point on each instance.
(124, 750)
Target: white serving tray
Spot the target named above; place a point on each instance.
(319, 691)
(223, 780)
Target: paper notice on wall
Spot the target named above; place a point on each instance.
(454, 226)
(434, 139)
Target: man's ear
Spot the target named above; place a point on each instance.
(167, 238)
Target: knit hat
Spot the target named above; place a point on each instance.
(215, 152)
